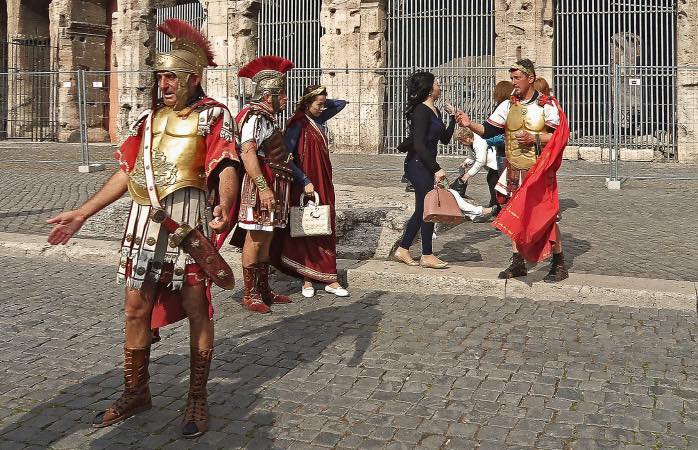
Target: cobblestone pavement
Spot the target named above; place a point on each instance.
(375, 370)
(647, 229)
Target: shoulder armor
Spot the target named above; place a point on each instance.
(133, 129)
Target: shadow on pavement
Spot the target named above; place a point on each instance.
(243, 366)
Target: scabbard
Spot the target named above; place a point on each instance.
(193, 241)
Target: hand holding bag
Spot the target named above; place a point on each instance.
(440, 206)
(311, 220)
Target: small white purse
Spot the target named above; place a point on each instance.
(310, 220)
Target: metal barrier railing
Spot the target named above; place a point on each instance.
(617, 114)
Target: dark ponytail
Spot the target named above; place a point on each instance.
(419, 87)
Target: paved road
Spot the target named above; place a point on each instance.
(373, 371)
(647, 229)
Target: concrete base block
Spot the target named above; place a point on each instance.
(636, 154)
(592, 154)
(571, 153)
(91, 168)
(613, 185)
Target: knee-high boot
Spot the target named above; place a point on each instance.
(136, 395)
(196, 415)
(252, 298)
(268, 296)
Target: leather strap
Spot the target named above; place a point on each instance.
(148, 162)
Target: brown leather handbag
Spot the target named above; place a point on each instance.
(440, 206)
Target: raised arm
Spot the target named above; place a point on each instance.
(332, 108)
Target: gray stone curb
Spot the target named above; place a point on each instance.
(396, 277)
(478, 281)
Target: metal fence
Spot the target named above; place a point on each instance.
(617, 115)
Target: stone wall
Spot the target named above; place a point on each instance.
(79, 29)
(355, 38)
(524, 29)
(232, 29)
(687, 81)
(134, 50)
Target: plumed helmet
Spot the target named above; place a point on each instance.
(268, 74)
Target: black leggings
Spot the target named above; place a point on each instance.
(492, 178)
(423, 181)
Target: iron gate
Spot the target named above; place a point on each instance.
(291, 29)
(27, 90)
(187, 10)
(615, 73)
(454, 39)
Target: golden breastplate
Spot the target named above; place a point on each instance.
(531, 118)
(178, 157)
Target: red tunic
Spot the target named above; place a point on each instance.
(529, 216)
(168, 304)
(312, 257)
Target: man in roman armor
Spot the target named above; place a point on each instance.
(266, 185)
(179, 161)
(535, 135)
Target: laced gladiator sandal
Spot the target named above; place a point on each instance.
(268, 296)
(558, 271)
(136, 395)
(251, 298)
(516, 269)
(195, 421)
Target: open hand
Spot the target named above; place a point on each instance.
(463, 119)
(65, 225)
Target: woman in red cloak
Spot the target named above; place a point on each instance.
(313, 258)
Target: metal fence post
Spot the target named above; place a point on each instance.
(612, 182)
(85, 166)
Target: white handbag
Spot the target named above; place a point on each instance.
(310, 220)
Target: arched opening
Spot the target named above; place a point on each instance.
(455, 39)
(618, 54)
(29, 100)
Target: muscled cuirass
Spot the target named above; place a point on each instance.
(178, 156)
(522, 117)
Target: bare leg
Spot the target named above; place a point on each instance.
(307, 282)
(256, 247)
(200, 326)
(138, 308)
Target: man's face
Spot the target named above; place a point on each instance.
(276, 103)
(522, 82)
(171, 87)
(168, 84)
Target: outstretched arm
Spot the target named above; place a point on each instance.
(66, 224)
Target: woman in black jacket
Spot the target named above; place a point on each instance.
(427, 129)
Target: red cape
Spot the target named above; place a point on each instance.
(529, 216)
